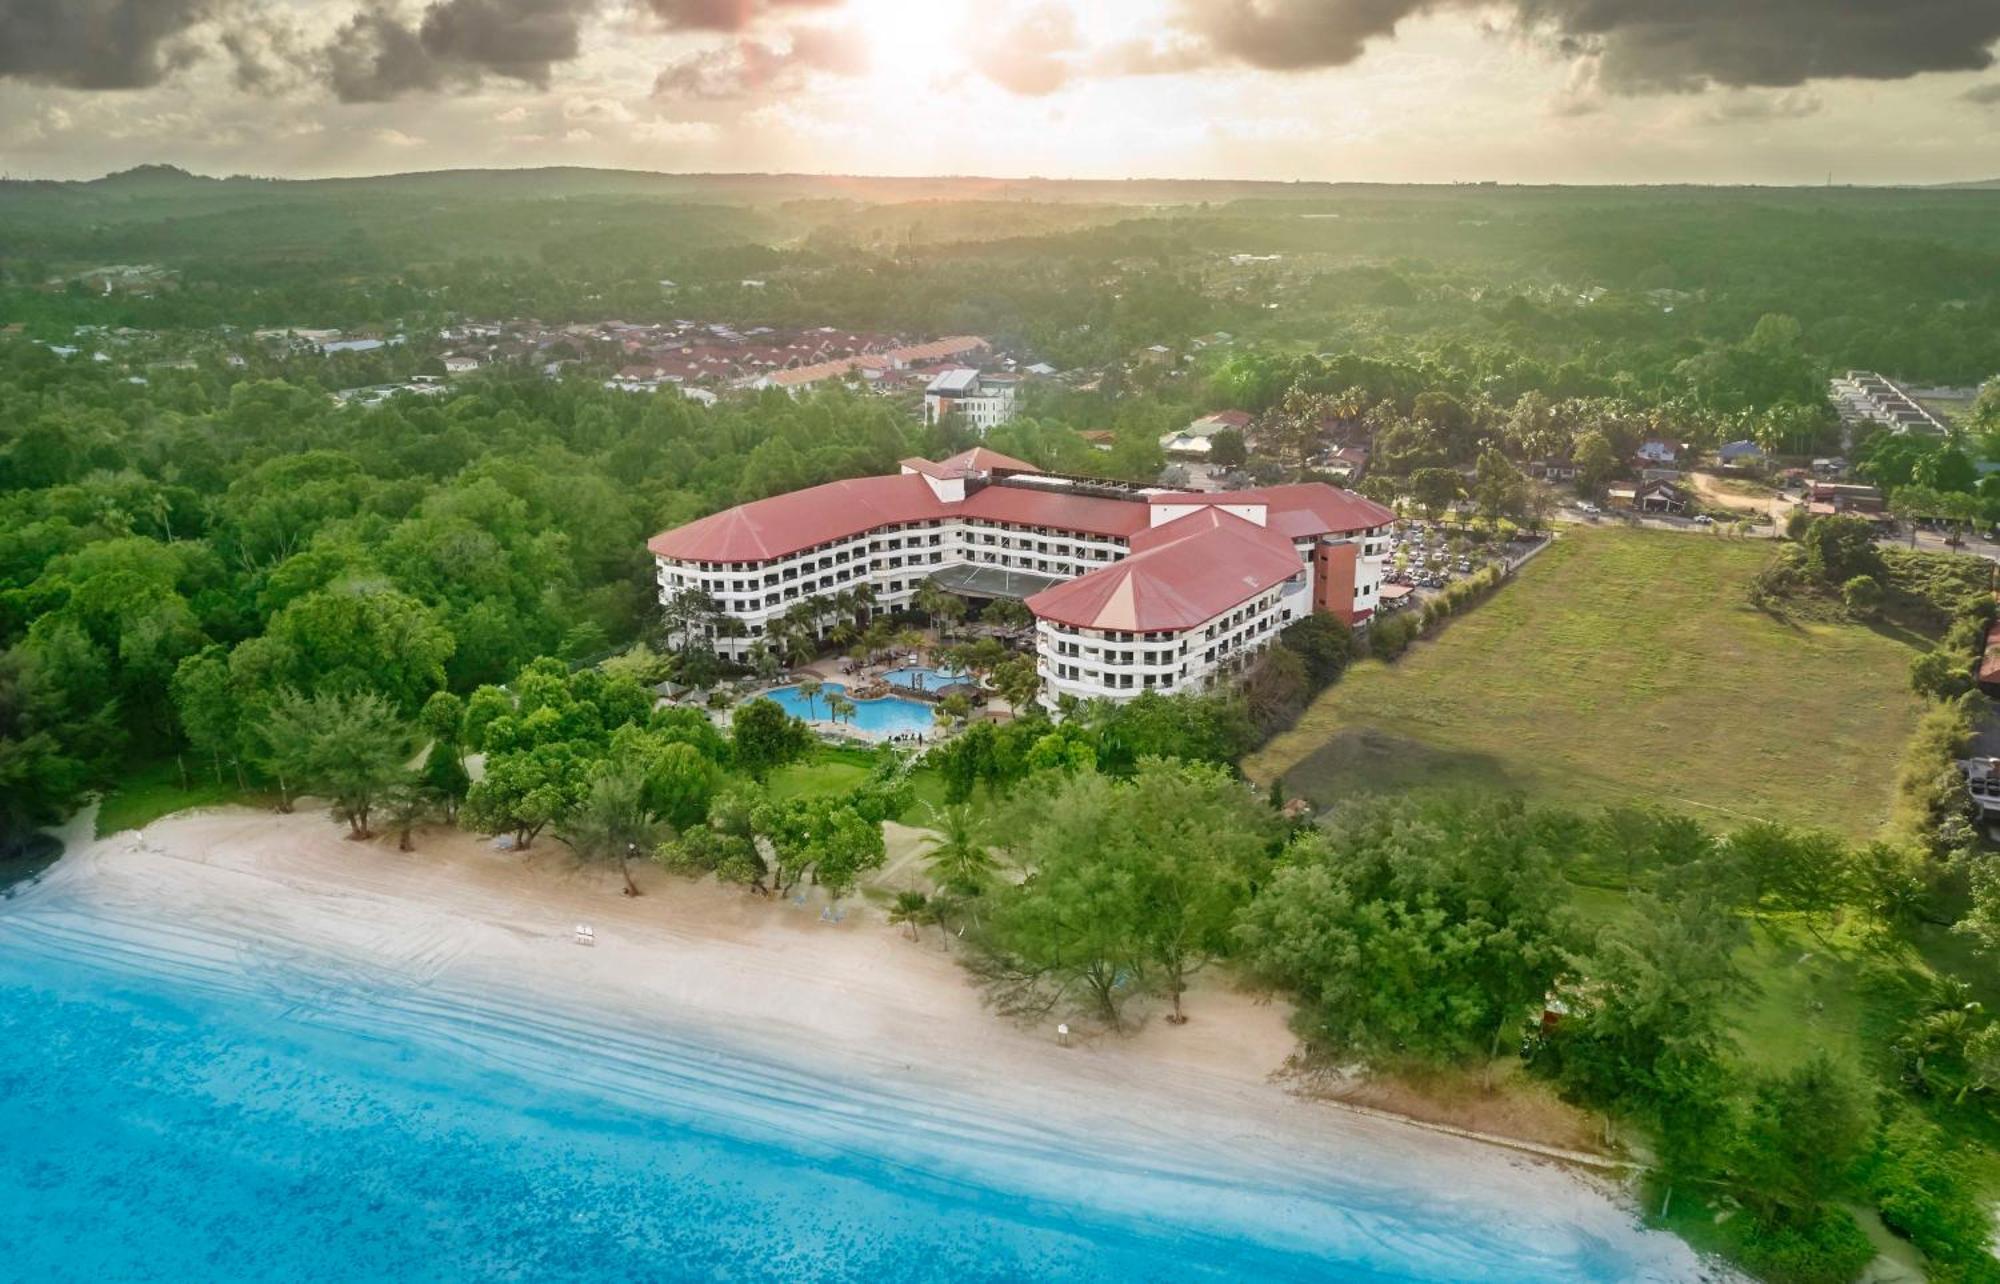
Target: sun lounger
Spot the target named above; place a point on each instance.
(586, 934)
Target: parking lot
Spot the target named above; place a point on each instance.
(1427, 557)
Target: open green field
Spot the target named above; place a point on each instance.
(1625, 666)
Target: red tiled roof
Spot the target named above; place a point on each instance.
(1179, 575)
(987, 461)
(783, 524)
(1299, 509)
(1118, 518)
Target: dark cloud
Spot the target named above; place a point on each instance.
(722, 15)
(1678, 45)
(378, 54)
(519, 39)
(1295, 35)
(1641, 46)
(266, 53)
(97, 44)
(757, 66)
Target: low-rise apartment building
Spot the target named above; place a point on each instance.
(984, 399)
(1133, 588)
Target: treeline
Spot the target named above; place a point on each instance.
(209, 541)
(1433, 935)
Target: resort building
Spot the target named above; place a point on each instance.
(1133, 588)
(983, 398)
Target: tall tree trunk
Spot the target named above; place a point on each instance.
(403, 843)
(625, 868)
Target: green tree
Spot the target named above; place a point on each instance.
(523, 790)
(764, 736)
(1413, 931)
(348, 748)
(1324, 642)
(1806, 1131)
(1596, 463)
(1128, 880)
(958, 856)
(1499, 489)
(444, 777)
(613, 821)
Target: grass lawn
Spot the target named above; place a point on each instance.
(148, 791)
(1625, 665)
(836, 770)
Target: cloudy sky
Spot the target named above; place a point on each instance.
(1780, 91)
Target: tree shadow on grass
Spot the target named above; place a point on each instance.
(1897, 632)
(1367, 760)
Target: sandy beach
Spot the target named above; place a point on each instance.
(243, 892)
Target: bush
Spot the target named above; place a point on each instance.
(1826, 1248)
(1324, 643)
(1930, 791)
(1462, 596)
(1390, 637)
(1942, 674)
(1928, 1195)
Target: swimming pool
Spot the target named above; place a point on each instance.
(893, 715)
(924, 679)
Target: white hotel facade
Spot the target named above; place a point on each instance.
(1132, 588)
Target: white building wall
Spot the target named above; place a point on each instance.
(1096, 664)
(896, 559)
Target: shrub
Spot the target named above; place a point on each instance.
(1942, 674)
(1826, 1247)
(1928, 1195)
(1390, 637)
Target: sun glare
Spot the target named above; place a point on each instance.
(911, 41)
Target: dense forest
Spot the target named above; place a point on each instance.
(1605, 282)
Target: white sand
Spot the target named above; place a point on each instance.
(250, 890)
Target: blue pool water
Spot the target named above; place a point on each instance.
(891, 715)
(923, 679)
(181, 1107)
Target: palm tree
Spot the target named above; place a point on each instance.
(958, 856)
(910, 909)
(910, 640)
(930, 599)
(763, 660)
(809, 689)
(614, 823)
(839, 707)
(863, 597)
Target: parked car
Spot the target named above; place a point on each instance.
(1589, 509)
(1703, 519)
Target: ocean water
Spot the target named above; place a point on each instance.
(174, 1107)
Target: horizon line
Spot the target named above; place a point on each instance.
(997, 179)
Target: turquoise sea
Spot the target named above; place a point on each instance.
(170, 1110)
